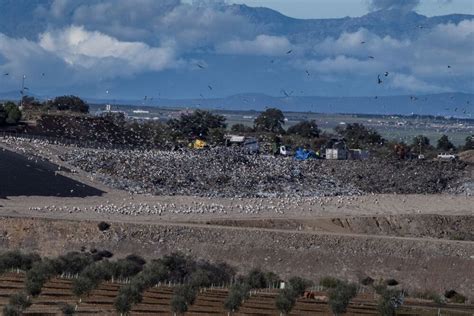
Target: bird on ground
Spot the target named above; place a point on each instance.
(386, 74)
(371, 57)
(449, 66)
(289, 52)
(362, 42)
(6, 74)
(200, 66)
(210, 87)
(307, 72)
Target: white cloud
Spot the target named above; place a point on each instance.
(342, 64)
(413, 84)
(262, 45)
(78, 47)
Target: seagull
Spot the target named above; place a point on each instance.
(362, 42)
(371, 57)
(386, 74)
(210, 87)
(286, 93)
(42, 74)
(289, 52)
(200, 66)
(6, 74)
(307, 72)
(379, 81)
(449, 66)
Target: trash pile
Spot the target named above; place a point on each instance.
(219, 172)
(228, 172)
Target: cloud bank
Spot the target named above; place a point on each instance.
(96, 41)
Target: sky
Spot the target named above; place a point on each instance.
(306, 9)
(171, 49)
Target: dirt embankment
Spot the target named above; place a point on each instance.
(426, 226)
(415, 263)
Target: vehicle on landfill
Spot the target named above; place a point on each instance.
(445, 156)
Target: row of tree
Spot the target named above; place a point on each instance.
(68, 103)
(94, 267)
(212, 127)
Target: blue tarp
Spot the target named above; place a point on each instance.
(304, 154)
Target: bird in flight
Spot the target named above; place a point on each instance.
(379, 81)
(286, 93)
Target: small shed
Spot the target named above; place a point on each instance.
(336, 154)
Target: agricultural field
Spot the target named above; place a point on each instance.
(210, 301)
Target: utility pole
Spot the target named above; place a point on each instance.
(22, 91)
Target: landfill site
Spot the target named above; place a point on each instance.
(407, 220)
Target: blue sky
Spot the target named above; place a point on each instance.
(342, 8)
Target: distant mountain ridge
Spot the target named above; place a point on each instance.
(445, 104)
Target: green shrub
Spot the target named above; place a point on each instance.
(178, 304)
(83, 286)
(103, 226)
(329, 282)
(285, 301)
(39, 273)
(9, 310)
(298, 285)
(391, 282)
(188, 292)
(389, 302)
(256, 279)
(340, 297)
(367, 281)
(68, 309)
(17, 260)
(237, 294)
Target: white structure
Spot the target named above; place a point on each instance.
(336, 154)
